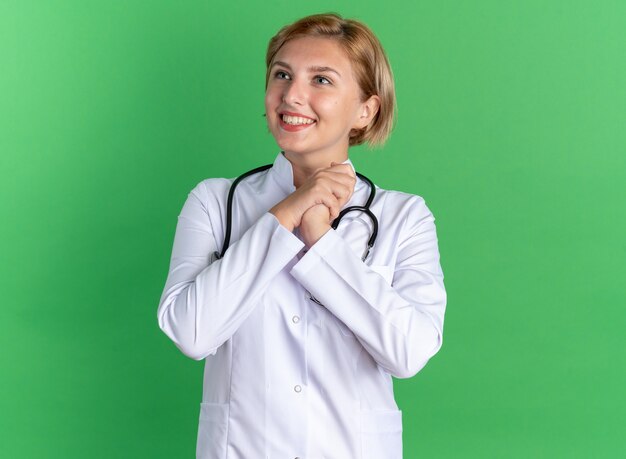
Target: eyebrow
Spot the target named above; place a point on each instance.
(312, 69)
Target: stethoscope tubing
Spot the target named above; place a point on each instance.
(365, 208)
(229, 204)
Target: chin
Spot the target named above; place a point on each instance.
(291, 147)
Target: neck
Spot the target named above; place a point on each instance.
(304, 166)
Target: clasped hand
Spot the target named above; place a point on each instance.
(317, 202)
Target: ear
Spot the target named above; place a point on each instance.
(367, 112)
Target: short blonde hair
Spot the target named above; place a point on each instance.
(369, 63)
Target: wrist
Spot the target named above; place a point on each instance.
(282, 218)
(313, 233)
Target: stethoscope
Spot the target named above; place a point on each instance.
(365, 208)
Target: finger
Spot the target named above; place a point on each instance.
(333, 205)
(339, 191)
(346, 169)
(341, 167)
(340, 177)
(329, 179)
(343, 188)
(343, 195)
(338, 184)
(327, 182)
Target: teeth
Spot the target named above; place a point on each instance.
(296, 120)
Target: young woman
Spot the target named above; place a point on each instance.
(302, 329)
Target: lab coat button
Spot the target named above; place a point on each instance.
(297, 388)
(295, 319)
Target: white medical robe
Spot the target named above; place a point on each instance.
(285, 377)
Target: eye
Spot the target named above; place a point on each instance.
(321, 80)
(282, 75)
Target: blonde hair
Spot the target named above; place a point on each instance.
(369, 63)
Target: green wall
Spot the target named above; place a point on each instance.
(512, 126)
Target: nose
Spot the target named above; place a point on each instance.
(294, 93)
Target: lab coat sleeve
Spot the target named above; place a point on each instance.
(203, 303)
(400, 325)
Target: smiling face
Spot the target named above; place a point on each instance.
(313, 100)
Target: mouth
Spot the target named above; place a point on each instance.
(295, 122)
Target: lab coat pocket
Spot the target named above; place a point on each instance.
(212, 431)
(381, 434)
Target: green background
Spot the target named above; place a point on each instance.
(511, 125)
